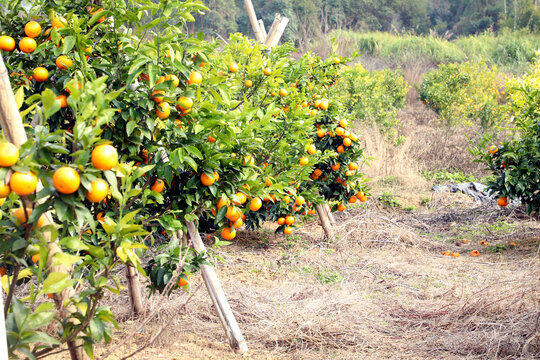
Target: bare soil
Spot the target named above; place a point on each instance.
(383, 290)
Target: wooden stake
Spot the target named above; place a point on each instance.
(273, 29)
(253, 20)
(263, 30)
(328, 230)
(236, 339)
(134, 289)
(279, 32)
(12, 126)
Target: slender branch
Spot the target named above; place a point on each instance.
(11, 289)
(272, 149)
(132, 200)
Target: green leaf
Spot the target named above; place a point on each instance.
(55, 283)
(69, 43)
(131, 125)
(194, 151)
(191, 162)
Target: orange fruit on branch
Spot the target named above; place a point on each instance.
(255, 204)
(104, 157)
(9, 154)
(289, 220)
(32, 29)
(163, 110)
(7, 43)
(66, 180)
(288, 230)
(63, 62)
(341, 207)
(27, 45)
(183, 281)
(20, 215)
(281, 221)
(195, 78)
(99, 191)
(4, 190)
(158, 186)
(23, 183)
(207, 180)
(233, 67)
(40, 74)
(228, 233)
(502, 201)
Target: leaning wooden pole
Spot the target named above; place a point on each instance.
(253, 19)
(236, 339)
(325, 223)
(273, 29)
(263, 29)
(14, 132)
(279, 32)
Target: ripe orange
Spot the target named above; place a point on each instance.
(454, 254)
(238, 223)
(175, 80)
(20, 215)
(27, 45)
(353, 137)
(216, 176)
(475, 253)
(340, 131)
(348, 173)
(9, 154)
(446, 253)
(343, 123)
(4, 190)
(35, 258)
(242, 198)
(233, 67)
(317, 172)
(248, 83)
(62, 99)
(267, 71)
(341, 207)
(502, 201)
(484, 243)
(493, 149)
(94, 11)
(311, 149)
(353, 199)
(23, 183)
(2, 271)
(512, 244)
(324, 104)
(288, 230)
(281, 221)
(304, 161)
(300, 201)
(50, 296)
(100, 216)
(184, 104)
(73, 85)
(340, 149)
(63, 62)
(286, 199)
(40, 74)
(104, 157)
(289, 220)
(268, 182)
(156, 96)
(183, 281)
(32, 29)
(158, 186)
(163, 110)
(353, 166)
(66, 180)
(7, 43)
(228, 233)
(347, 142)
(317, 103)
(58, 22)
(99, 191)
(283, 92)
(321, 133)
(207, 180)
(255, 204)
(195, 78)
(211, 139)
(335, 166)
(222, 202)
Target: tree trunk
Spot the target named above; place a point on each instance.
(325, 222)
(134, 289)
(330, 215)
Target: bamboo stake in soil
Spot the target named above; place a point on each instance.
(328, 230)
(253, 20)
(273, 29)
(263, 29)
(279, 32)
(12, 126)
(134, 290)
(236, 339)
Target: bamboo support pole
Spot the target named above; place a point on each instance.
(134, 289)
(226, 316)
(325, 223)
(272, 30)
(14, 132)
(263, 29)
(253, 19)
(279, 32)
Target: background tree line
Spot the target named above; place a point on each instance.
(312, 18)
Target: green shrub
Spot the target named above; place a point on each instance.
(375, 97)
(466, 93)
(388, 200)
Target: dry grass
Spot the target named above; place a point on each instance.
(381, 291)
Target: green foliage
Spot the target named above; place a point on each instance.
(445, 176)
(388, 200)
(515, 163)
(374, 97)
(466, 93)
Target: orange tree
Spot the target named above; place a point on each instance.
(197, 133)
(516, 163)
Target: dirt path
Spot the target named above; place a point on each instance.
(382, 291)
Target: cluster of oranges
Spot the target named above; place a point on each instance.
(66, 180)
